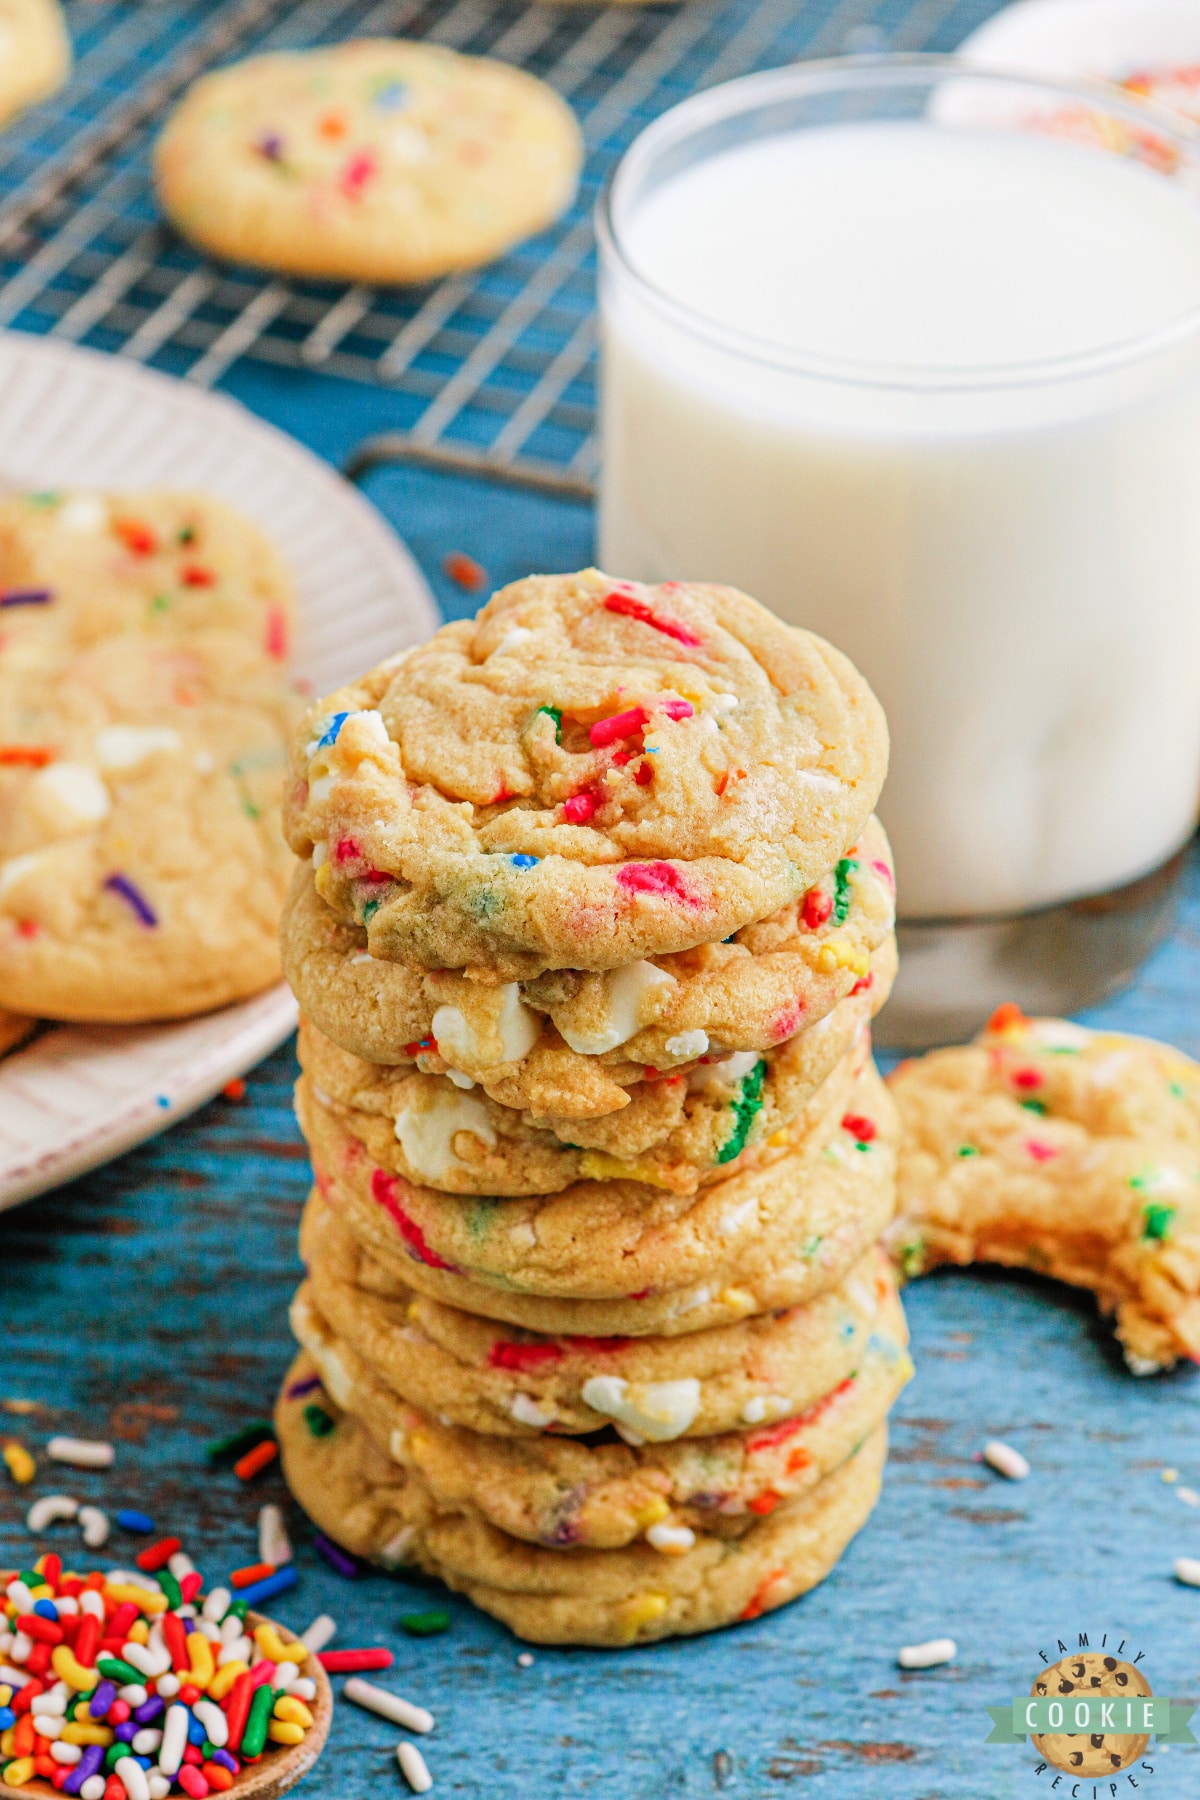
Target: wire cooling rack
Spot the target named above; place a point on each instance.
(492, 371)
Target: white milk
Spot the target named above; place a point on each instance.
(1014, 563)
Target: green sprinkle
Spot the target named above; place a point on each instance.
(1035, 1106)
(966, 1150)
(238, 1609)
(187, 534)
(113, 1668)
(206, 1750)
(485, 903)
(554, 713)
(479, 1217)
(114, 1754)
(1156, 1221)
(865, 1148)
(254, 1736)
(369, 910)
(49, 498)
(810, 1249)
(170, 1588)
(251, 811)
(425, 1624)
(231, 1447)
(1145, 1178)
(32, 1579)
(1178, 1089)
(160, 603)
(841, 888)
(912, 1258)
(746, 1105)
(318, 1420)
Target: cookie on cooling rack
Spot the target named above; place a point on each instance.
(369, 161)
(35, 54)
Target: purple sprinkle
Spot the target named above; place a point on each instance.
(121, 884)
(270, 145)
(26, 597)
(334, 1555)
(225, 1760)
(303, 1387)
(148, 1710)
(103, 1698)
(87, 1766)
(126, 1732)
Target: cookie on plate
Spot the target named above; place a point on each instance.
(614, 1598)
(617, 1257)
(79, 567)
(1074, 1153)
(35, 54)
(375, 160)
(354, 1311)
(588, 774)
(576, 1044)
(142, 867)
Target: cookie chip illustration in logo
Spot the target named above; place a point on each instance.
(1085, 1675)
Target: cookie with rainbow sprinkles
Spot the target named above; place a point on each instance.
(375, 160)
(1074, 1153)
(588, 774)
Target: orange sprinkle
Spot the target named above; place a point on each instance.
(253, 1571)
(1006, 1016)
(758, 1603)
(27, 928)
(465, 571)
(26, 756)
(137, 536)
(248, 1466)
(332, 125)
(235, 1089)
(765, 1503)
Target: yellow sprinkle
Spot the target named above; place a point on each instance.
(75, 1733)
(594, 1165)
(21, 1465)
(274, 1648)
(281, 1731)
(836, 953)
(18, 1773)
(738, 1300)
(294, 1711)
(643, 1609)
(142, 1598)
(224, 1679)
(651, 1512)
(138, 1633)
(69, 1669)
(8, 1741)
(6, 1694)
(200, 1656)
(777, 1139)
(1170, 1474)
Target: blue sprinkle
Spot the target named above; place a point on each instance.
(524, 862)
(162, 1100)
(47, 1609)
(129, 1519)
(7, 1717)
(391, 97)
(196, 1731)
(274, 1584)
(145, 1761)
(333, 727)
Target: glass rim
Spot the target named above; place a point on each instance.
(748, 92)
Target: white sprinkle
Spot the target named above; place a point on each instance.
(93, 1788)
(460, 1080)
(1005, 1460)
(361, 956)
(526, 1411)
(48, 1509)
(928, 1656)
(217, 1605)
(125, 746)
(671, 1540)
(81, 1453)
(525, 1660)
(387, 1705)
(130, 1773)
(145, 1660)
(93, 1522)
(175, 1737)
(1189, 1496)
(412, 1766)
(66, 1754)
(213, 1720)
(274, 1545)
(764, 1409)
(133, 1694)
(168, 1685)
(518, 635)
(20, 1595)
(14, 1678)
(1187, 1570)
(83, 512)
(147, 1742)
(304, 1688)
(180, 1565)
(322, 1631)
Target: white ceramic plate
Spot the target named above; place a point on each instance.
(1113, 40)
(79, 1095)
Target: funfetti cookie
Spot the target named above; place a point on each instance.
(367, 1502)
(588, 774)
(374, 161)
(77, 567)
(1074, 1153)
(577, 1044)
(355, 1312)
(35, 53)
(15, 1028)
(141, 862)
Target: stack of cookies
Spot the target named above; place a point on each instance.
(592, 922)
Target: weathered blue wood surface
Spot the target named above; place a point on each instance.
(148, 1302)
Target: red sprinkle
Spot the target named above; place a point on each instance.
(860, 987)
(864, 1129)
(358, 172)
(885, 874)
(253, 1572)
(386, 1189)
(580, 807)
(27, 928)
(235, 1089)
(622, 725)
(816, 908)
(764, 1503)
(1005, 1016)
(631, 608)
(1026, 1079)
(197, 575)
(465, 571)
(1040, 1151)
(347, 849)
(644, 773)
(157, 1556)
(137, 536)
(349, 1662)
(660, 878)
(26, 756)
(522, 1357)
(248, 1466)
(276, 640)
(175, 1639)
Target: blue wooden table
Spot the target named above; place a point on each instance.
(147, 1304)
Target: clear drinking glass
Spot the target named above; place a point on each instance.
(1008, 546)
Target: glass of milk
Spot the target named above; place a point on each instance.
(912, 354)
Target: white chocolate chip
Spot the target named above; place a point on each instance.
(427, 1137)
(460, 1080)
(723, 1074)
(504, 1029)
(687, 1045)
(125, 746)
(656, 1411)
(75, 792)
(625, 993)
(526, 1411)
(320, 855)
(511, 640)
(83, 512)
(672, 1540)
(764, 1409)
(17, 868)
